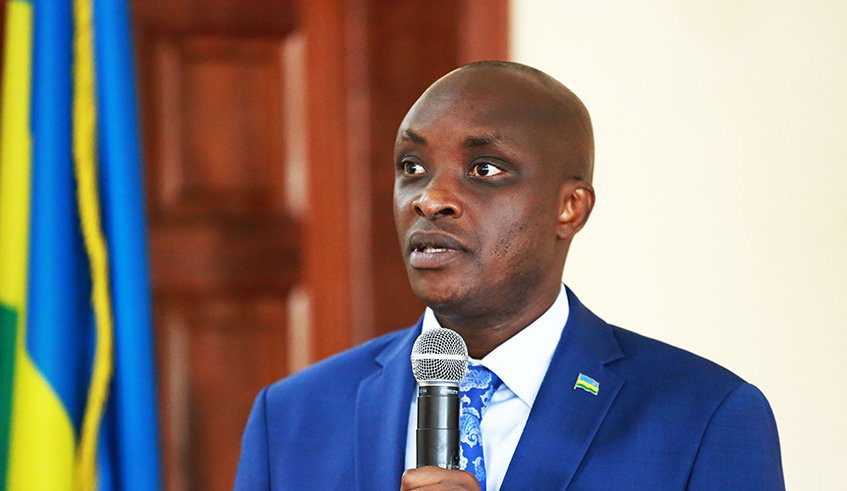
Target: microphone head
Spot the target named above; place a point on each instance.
(439, 355)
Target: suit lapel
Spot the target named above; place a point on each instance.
(382, 417)
(564, 420)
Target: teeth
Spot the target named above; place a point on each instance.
(431, 250)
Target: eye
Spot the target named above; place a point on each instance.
(485, 169)
(411, 168)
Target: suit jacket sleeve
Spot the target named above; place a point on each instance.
(253, 472)
(740, 448)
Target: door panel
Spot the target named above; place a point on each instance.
(215, 357)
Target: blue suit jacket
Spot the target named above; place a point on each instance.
(663, 420)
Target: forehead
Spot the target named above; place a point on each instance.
(483, 104)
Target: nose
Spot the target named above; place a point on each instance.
(439, 199)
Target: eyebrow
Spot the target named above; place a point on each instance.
(414, 137)
(481, 140)
(470, 142)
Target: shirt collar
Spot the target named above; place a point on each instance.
(522, 361)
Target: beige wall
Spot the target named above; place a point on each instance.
(721, 219)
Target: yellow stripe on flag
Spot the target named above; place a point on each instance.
(15, 175)
(42, 440)
(42, 450)
(85, 165)
(15, 155)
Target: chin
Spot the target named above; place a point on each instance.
(442, 296)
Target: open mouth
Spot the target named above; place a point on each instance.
(430, 249)
(433, 243)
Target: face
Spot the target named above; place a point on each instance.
(478, 196)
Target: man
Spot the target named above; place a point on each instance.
(493, 169)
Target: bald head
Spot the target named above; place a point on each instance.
(559, 120)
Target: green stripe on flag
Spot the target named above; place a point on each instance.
(8, 330)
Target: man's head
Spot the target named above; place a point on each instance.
(493, 168)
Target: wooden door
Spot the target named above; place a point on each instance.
(268, 129)
(222, 104)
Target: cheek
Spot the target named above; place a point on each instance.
(509, 238)
(396, 210)
(523, 239)
(512, 240)
(401, 205)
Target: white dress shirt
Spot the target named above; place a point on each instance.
(521, 363)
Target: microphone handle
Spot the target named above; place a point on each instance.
(438, 425)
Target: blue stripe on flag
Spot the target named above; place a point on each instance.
(134, 425)
(59, 319)
(107, 477)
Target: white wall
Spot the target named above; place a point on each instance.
(721, 177)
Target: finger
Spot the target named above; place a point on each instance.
(431, 478)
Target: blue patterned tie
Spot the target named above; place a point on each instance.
(476, 390)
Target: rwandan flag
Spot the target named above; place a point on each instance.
(77, 395)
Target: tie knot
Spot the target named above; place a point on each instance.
(479, 377)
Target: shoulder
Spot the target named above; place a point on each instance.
(709, 425)
(662, 364)
(655, 375)
(337, 375)
(694, 392)
(647, 364)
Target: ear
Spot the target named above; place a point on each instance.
(576, 200)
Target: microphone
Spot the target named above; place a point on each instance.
(439, 362)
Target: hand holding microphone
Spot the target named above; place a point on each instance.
(437, 479)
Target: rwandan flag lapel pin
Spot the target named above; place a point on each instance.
(587, 384)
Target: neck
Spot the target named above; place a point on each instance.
(483, 333)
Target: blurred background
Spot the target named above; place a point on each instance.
(721, 177)
(267, 130)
